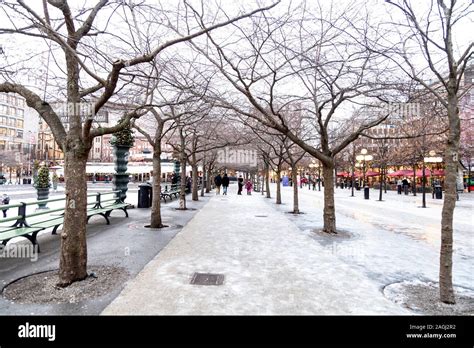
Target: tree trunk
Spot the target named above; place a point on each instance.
(414, 179)
(329, 212)
(155, 219)
(296, 209)
(195, 196)
(278, 190)
(73, 258)
(208, 179)
(203, 176)
(423, 185)
(381, 182)
(73, 254)
(182, 193)
(451, 160)
(267, 179)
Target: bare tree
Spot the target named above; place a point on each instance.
(316, 55)
(431, 32)
(76, 33)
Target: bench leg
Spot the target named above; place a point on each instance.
(125, 211)
(101, 214)
(55, 229)
(106, 217)
(33, 240)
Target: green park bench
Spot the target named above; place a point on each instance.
(29, 230)
(173, 191)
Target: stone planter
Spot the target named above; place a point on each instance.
(120, 180)
(42, 194)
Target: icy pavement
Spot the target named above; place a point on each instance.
(394, 240)
(270, 267)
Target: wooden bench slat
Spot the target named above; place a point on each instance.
(18, 232)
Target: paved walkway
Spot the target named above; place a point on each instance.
(270, 267)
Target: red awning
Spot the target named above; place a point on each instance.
(402, 172)
(343, 174)
(419, 173)
(371, 173)
(367, 174)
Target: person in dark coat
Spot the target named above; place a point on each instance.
(218, 182)
(5, 200)
(240, 182)
(225, 184)
(405, 185)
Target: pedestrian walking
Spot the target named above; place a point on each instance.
(5, 201)
(248, 186)
(240, 182)
(225, 184)
(218, 182)
(189, 183)
(399, 186)
(405, 185)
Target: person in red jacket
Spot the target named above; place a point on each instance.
(248, 186)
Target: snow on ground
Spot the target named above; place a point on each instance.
(270, 267)
(394, 240)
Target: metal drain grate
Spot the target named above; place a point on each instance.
(261, 215)
(207, 279)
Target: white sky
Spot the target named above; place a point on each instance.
(28, 55)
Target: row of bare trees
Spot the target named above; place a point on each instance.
(283, 78)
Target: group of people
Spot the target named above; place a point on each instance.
(403, 185)
(224, 182)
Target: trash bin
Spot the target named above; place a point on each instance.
(366, 192)
(438, 192)
(144, 195)
(24, 181)
(357, 186)
(29, 181)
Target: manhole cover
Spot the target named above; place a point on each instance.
(261, 215)
(207, 279)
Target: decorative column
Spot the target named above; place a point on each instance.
(122, 141)
(121, 177)
(177, 172)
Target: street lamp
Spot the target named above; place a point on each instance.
(364, 157)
